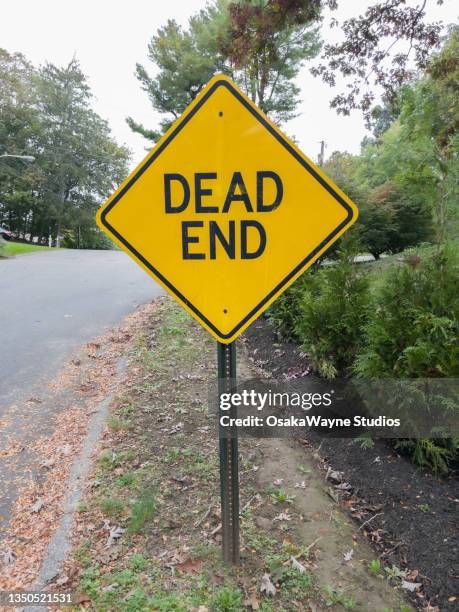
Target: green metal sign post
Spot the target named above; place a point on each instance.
(229, 463)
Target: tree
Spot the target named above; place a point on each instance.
(383, 48)
(402, 222)
(430, 117)
(376, 228)
(80, 163)
(18, 135)
(187, 58)
(46, 113)
(266, 46)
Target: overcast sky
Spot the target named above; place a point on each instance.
(109, 36)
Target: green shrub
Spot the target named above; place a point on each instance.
(333, 310)
(413, 334)
(284, 314)
(414, 329)
(227, 599)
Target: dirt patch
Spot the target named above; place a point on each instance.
(342, 555)
(413, 515)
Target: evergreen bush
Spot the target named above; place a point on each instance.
(413, 333)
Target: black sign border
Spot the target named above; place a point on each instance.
(290, 149)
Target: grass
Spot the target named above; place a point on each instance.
(20, 248)
(374, 567)
(376, 270)
(280, 496)
(112, 507)
(143, 511)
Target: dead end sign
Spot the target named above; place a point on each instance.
(226, 212)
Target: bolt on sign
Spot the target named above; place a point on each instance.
(226, 212)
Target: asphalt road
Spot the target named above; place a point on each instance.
(51, 302)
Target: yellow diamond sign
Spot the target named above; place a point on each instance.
(226, 212)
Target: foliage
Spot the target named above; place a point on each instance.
(285, 313)
(392, 221)
(376, 51)
(380, 49)
(406, 178)
(185, 61)
(80, 163)
(376, 228)
(415, 324)
(46, 114)
(227, 599)
(143, 510)
(266, 45)
(374, 567)
(414, 162)
(239, 39)
(436, 454)
(334, 305)
(413, 334)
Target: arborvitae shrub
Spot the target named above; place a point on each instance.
(414, 328)
(285, 313)
(414, 333)
(333, 310)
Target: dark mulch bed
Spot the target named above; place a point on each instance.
(415, 514)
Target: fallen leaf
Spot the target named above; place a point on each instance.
(348, 556)
(300, 485)
(115, 534)
(283, 516)
(344, 486)
(411, 586)
(83, 598)
(106, 525)
(278, 482)
(9, 556)
(190, 566)
(297, 565)
(333, 494)
(334, 475)
(266, 586)
(252, 602)
(214, 579)
(38, 505)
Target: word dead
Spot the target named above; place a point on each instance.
(210, 239)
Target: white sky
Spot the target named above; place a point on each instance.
(109, 36)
